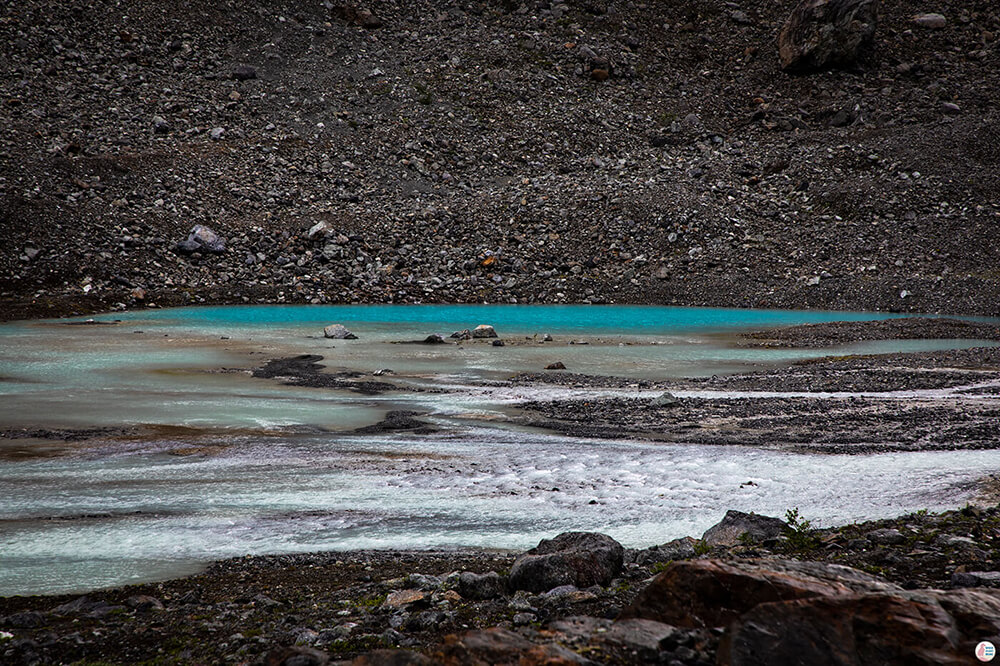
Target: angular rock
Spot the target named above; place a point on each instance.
(321, 228)
(710, 593)
(480, 586)
(827, 33)
(201, 239)
(886, 537)
(932, 21)
(462, 335)
(847, 630)
(433, 339)
(143, 603)
(402, 598)
(975, 579)
(244, 73)
(484, 331)
(572, 558)
(678, 549)
(392, 658)
(297, 655)
(498, 647)
(558, 365)
(735, 524)
(338, 332)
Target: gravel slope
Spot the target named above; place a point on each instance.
(464, 151)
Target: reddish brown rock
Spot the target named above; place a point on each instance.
(709, 593)
(502, 647)
(846, 631)
(827, 33)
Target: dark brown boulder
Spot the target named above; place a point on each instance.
(893, 628)
(502, 647)
(826, 33)
(572, 558)
(709, 593)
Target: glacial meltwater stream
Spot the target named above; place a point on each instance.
(144, 449)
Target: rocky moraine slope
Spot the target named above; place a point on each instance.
(461, 151)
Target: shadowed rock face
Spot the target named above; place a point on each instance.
(709, 593)
(573, 558)
(827, 33)
(884, 628)
(736, 524)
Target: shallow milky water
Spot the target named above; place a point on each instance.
(272, 468)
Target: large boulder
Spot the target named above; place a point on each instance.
(735, 524)
(827, 33)
(582, 559)
(484, 331)
(710, 593)
(201, 239)
(338, 332)
(480, 586)
(924, 628)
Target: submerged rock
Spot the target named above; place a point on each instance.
(572, 558)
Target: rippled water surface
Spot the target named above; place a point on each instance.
(224, 464)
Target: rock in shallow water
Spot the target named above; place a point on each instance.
(338, 332)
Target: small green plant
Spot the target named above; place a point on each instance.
(799, 533)
(702, 548)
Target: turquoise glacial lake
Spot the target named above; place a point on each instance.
(228, 464)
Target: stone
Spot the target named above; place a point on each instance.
(480, 586)
(932, 21)
(827, 33)
(244, 73)
(677, 549)
(975, 579)
(498, 646)
(886, 537)
(138, 293)
(423, 581)
(462, 335)
(484, 331)
(433, 339)
(321, 228)
(338, 332)
(201, 239)
(392, 658)
(297, 655)
(951, 108)
(402, 598)
(665, 399)
(735, 524)
(711, 593)
(142, 603)
(498, 343)
(23, 620)
(558, 365)
(898, 628)
(572, 558)
(160, 125)
(645, 637)
(216, 133)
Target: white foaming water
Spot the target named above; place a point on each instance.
(125, 510)
(159, 515)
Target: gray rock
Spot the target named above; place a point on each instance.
(480, 586)
(827, 33)
(201, 239)
(433, 339)
(338, 332)
(142, 603)
(975, 579)
(160, 125)
(646, 637)
(216, 133)
(244, 73)
(665, 399)
(297, 655)
(572, 558)
(462, 335)
(484, 331)
(736, 523)
(678, 549)
(498, 343)
(886, 537)
(521, 619)
(931, 20)
(424, 582)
